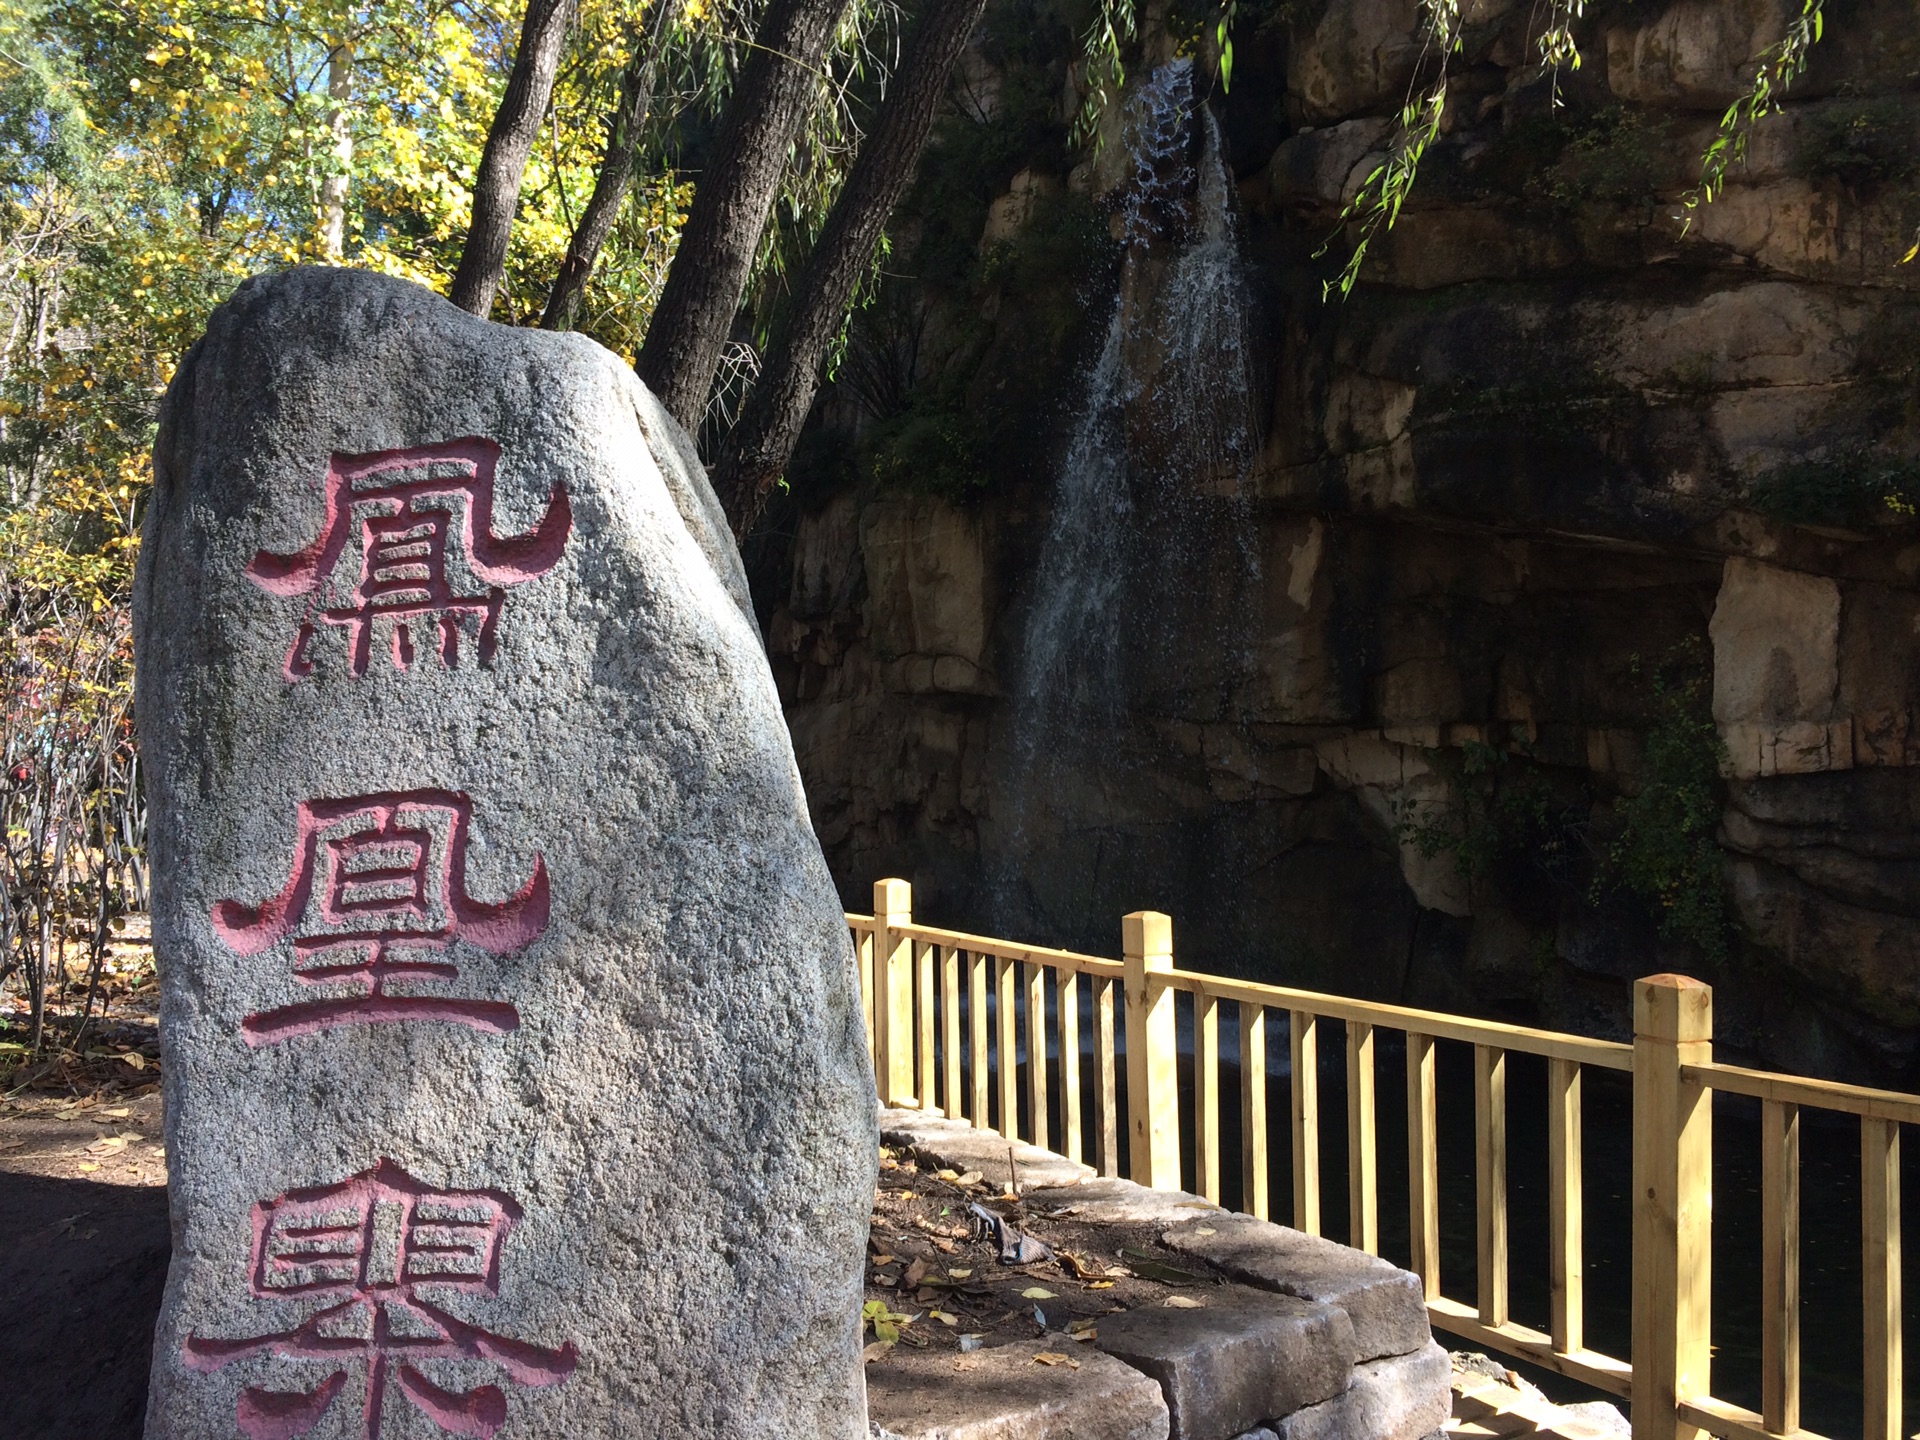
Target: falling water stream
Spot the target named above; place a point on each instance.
(1162, 438)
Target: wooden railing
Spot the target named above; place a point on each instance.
(944, 1012)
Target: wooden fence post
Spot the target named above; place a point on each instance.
(1672, 1204)
(893, 993)
(1153, 1097)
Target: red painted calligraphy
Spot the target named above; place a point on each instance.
(371, 1250)
(402, 505)
(377, 895)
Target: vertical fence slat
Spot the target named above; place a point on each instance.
(1880, 1271)
(1206, 1095)
(1566, 1215)
(951, 1095)
(1490, 1179)
(1363, 1168)
(1303, 1040)
(1423, 1163)
(1067, 997)
(892, 992)
(865, 954)
(923, 981)
(1253, 1110)
(979, 1060)
(1780, 1266)
(1106, 1075)
(1037, 1053)
(1006, 1016)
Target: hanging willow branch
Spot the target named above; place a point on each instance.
(1780, 64)
(1376, 205)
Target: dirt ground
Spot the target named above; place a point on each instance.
(83, 1208)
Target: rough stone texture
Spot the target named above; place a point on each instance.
(1385, 1304)
(958, 1146)
(1121, 1202)
(1240, 1359)
(1004, 1394)
(642, 1072)
(1403, 1397)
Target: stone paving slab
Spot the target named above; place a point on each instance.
(1121, 1202)
(1241, 1358)
(1403, 1397)
(958, 1146)
(1385, 1303)
(1006, 1394)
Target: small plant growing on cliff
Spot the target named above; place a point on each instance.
(1666, 852)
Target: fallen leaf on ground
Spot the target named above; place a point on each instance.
(122, 1113)
(87, 1167)
(1053, 1357)
(1038, 1292)
(972, 1177)
(1183, 1302)
(135, 1059)
(1100, 1285)
(943, 1317)
(959, 1364)
(876, 1351)
(1205, 1230)
(960, 1272)
(916, 1272)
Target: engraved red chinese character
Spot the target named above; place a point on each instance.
(377, 894)
(373, 1249)
(402, 506)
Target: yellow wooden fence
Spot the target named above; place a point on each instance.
(913, 978)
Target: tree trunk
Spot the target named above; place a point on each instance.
(760, 444)
(610, 186)
(689, 328)
(516, 124)
(333, 185)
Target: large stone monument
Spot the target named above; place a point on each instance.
(515, 1071)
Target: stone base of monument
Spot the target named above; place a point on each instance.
(1302, 1339)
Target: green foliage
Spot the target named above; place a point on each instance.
(932, 446)
(1611, 156)
(1853, 490)
(1499, 805)
(1863, 144)
(1666, 852)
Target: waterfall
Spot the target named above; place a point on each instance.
(1163, 435)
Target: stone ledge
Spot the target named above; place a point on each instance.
(1405, 1397)
(1243, 1358)
(1005, 1394)
(1385, 1303)
(958, 1146)
(1371, 1316)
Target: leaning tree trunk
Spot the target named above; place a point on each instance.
(610, 186)
(516, 124)
(758, 447)
(688, 331)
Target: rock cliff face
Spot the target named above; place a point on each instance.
(1560, 623)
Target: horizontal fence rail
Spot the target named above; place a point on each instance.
(967, 1026)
